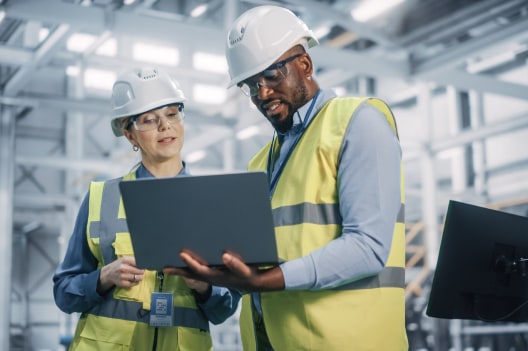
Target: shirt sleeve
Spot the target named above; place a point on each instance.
(368, 180)
(221, 305)
(75, 279)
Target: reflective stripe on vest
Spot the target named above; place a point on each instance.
(389, 277)
(133, 311)
(109, 223)
(314, 213)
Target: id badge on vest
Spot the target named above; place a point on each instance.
(161, 311)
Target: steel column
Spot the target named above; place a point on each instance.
(7, 173)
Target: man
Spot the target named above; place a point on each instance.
(337, 197)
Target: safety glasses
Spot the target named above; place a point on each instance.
(151, 120)
(269, 78)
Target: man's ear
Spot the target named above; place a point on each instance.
(306, 65)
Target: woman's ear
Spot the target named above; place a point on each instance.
(130, 137)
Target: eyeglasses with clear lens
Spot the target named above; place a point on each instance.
(269, 78)
(150, 120)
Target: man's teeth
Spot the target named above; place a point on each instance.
(273, 107)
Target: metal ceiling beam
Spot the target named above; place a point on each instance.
(141, 26)
(481, 83)
(109, 167)
(481, 133)
(65, 104)
(456, 57)
(460, 21)
(361, 63)
(43, 54)
(469, 136)
(65, 58)
(15, 56)
(101, 106)
(325, 10)
(43, 200)
(91, 18)
(96, 20)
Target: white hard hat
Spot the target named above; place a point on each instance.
(141, 90)
(260, 36)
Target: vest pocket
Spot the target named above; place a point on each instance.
(190, 339)
(123, 247)
(105, 334)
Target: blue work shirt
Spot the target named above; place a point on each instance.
(368, 178)
(75, 280)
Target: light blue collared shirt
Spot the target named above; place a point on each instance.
(368, 178)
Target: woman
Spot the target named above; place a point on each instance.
(98, 276)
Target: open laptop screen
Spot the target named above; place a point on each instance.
(206, 214)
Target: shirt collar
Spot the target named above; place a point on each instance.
(298, 121)
(143, 172)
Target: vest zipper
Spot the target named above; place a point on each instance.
(155, 342)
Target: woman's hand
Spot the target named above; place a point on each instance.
(122, 273)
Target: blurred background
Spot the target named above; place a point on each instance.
(454, 72)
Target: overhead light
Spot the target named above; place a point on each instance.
(108, 48)
(99, 79)
(209, 94)
(80, 42)
(73, 71)
(247, 133)
(2, 15)
(321, 31)
(208, 62)
(199, 10)
(43, 34)
(487, 63)
(339, 91)
(372, 8)
(156, 54)
(195, 156)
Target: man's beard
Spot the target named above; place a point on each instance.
(282, 126)
(299, 99)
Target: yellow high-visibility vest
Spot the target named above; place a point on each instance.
(367, 314)
(121, 321)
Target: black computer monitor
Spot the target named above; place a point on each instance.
(481, 272)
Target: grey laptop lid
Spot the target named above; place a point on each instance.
(206, 214)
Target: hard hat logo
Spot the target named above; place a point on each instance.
(259, 37)
(148, 74)
(238, 38)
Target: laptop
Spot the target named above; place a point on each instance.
(204, 214)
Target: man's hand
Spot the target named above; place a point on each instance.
(235, 275)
